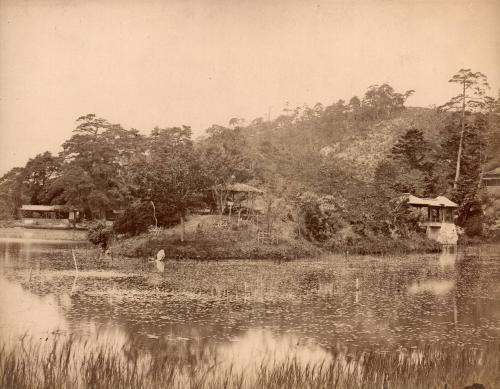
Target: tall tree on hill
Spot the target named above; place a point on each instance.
(38, 173)
(412, 149)
(307, 122)
(472, 99)
(11, 192)
(94, 165)
(492, 150)
(408, 168)
(354, 107)
(73, 187)
(224, 159)
(170, 174)
(236, 122)
(354, 103)
(397, 178)
(332, 121)
(466, 191)
(380, 101)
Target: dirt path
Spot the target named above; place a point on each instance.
(206, 221)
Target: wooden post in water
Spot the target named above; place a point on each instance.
(74, 259)
(262, 288)
(29, 278)
(357, 290)
(73, 287)
(385, 385)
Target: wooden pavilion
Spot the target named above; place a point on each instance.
(437, 215)
(492, 178)
(55, 216)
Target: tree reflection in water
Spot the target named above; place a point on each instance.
(414, 312)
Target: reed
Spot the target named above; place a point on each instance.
(78, 363)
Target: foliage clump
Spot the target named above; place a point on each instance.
(100, 235)
(140, 216)
(340, 167)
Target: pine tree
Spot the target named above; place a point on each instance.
(472, 99)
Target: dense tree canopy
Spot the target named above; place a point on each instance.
(11, 193)
(37, 174)
(380, 101)
(169, 172)
(472, 99)
(224, 159)
(94, 167)
(158, 178)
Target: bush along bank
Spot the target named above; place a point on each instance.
(216, 245)
(380, 224)
(381, 245)
(219, 245)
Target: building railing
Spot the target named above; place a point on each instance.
(266, 238)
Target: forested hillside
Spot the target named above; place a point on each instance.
(346, 137)
(340, 166)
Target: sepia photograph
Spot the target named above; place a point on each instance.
(249, 194)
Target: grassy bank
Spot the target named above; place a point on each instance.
(240, 242)
(382, 245)
(231, 245)
(212, 248)
(73, 363)
(214, 244)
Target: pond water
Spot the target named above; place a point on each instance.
(247, 308)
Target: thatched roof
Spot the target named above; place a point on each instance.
(439, 201)
(492, 173)
(243, 188)
(47, 208)
(41, 208)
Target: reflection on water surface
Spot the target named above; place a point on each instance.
(247, 308)
(437, 287)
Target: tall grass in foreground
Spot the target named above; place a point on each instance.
(72, 363)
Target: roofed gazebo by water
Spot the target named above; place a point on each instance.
(437, 215)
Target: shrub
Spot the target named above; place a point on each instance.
(380, 244)
(100, 235)
(320, 219)
(138, 217)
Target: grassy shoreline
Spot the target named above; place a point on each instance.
(231, 244)
(212, 248)
(77, 364)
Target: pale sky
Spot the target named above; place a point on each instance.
(146, 63)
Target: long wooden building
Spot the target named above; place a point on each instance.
(48, 216)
